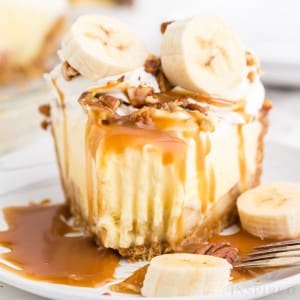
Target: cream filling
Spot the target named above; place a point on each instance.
(142, 199)
(24, 25)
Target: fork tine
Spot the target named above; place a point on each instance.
(275, 250)
(295, 253)
(278, 244)
(273, 262)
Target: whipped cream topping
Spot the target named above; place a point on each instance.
(252, 92)
(74, 88)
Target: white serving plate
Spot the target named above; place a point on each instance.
(281, 164)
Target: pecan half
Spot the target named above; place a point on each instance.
(223, 249)
(68, 71)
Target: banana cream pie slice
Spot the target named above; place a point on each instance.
(153, 152)
(29, 31)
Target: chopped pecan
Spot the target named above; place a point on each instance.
(173, 106)
(251, 76)
(251, 60)
(182, 101)
(121, 79)
(68, 71)
(142, 117)
(45, 124)
(267, 105)
(164, 25)
(89, 98)
(110, 101)
(45, 110)
(223, 249)
(152, 64)
(86, 96)
(152, 99)
(104, 107)
(163, 82)
(137, 95)
(194, 106)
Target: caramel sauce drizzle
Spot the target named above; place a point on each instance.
(206, 184)
(204, 98)
(65, 126)
(41, 250)
(116, 138)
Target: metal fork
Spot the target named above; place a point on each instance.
(280, 254)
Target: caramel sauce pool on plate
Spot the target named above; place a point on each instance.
(40, 249)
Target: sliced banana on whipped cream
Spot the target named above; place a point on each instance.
(203, 54)
(185, 274)
(271, 211)
(98, 46)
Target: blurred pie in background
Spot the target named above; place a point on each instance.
(117, 2)
(30, 31)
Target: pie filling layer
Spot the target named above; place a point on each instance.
(147, 177)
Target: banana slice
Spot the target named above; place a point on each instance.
(271, 211)
(185, 275)
(203, 54)
(99, 46)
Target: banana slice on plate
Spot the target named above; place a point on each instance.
(203, 54)
(98, 46)
(271, 211)
(185, 274)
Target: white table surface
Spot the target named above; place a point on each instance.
(285, 128)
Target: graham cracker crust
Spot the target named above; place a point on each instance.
(9, 71)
